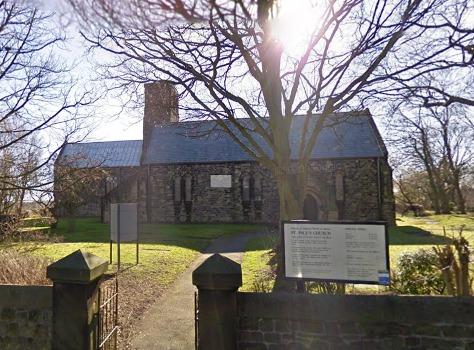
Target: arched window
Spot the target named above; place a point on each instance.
(339, 186)
(311, 208)
(188, 188)
(246, 188)
(257, 188)
(111, 182)
(177, 189)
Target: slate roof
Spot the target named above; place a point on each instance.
(104, 154)
(345, 136)
(353, 136)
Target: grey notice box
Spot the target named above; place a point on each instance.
(127, 212)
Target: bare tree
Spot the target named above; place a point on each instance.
(75, 187)
(437, 142)
(40, 101)
(234, 64)
(445, 75)
(412, 192)
(230, 60)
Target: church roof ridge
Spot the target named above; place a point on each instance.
(361, 112)
(205, 142)
(100, 142)
(198, 141)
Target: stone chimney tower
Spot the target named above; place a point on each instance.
(161, 106)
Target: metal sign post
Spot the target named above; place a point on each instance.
(123, 228)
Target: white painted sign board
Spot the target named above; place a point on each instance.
(221, 181)
(128, 222)
(336, 252)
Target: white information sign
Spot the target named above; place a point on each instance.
(128, 222)
(221, 181)
(339, 252)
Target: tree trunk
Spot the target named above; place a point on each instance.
(455, 170)
(445, 208)
(20, 202)
(460, 201)
(291, 208)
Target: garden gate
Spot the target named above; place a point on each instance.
(196, 321)
(107, 316)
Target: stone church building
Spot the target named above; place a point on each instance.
(191, 171)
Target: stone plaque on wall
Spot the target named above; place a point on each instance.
(221, 181)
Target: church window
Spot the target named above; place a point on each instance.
(177, 189)
(111, 183)
(188, 188)
(339, 186)
(246, 189)
(257, 188)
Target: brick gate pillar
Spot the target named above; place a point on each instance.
(217, 280)
(76, 280)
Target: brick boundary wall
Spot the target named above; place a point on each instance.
(276, 321)
(25, 317)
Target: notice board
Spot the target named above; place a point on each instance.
(124, 217)
(355, 252)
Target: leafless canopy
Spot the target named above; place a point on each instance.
(228, 60)
(38, 97)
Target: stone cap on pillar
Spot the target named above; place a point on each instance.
(218, 272)
(79, 267)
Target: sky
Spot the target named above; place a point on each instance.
(107, 125)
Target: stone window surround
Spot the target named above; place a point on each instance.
(251, 187)
(182, 188)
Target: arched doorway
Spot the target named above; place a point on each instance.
(311, 208)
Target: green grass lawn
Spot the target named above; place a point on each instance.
(408, 235)
(411, 234)
(255, 263)
(163, 247)
(165, 252)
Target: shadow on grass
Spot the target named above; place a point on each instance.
(412, 235)
(466, 217)
(191, 236)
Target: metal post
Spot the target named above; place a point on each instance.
(137, 251)
(138, 236)
(99, 317)
(116, 310)
(118, 237)
(110, 248)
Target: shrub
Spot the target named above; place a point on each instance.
(8, 225)
(326, 288)
(263, 282)
(36, 221)
(418, 273)
(18, 268)
(454, 265)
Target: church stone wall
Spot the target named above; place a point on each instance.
(210, 204)
(153, 188)
(362, 200)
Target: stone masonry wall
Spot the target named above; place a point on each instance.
(25, 317)
(210, 204)
(362, 200)
(153, 188)
(321, 322)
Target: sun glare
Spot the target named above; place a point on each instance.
(295, 23)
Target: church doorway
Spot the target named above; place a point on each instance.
(311, 208)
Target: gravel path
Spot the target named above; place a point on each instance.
(169, 323)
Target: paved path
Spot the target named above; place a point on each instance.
(169, 323)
